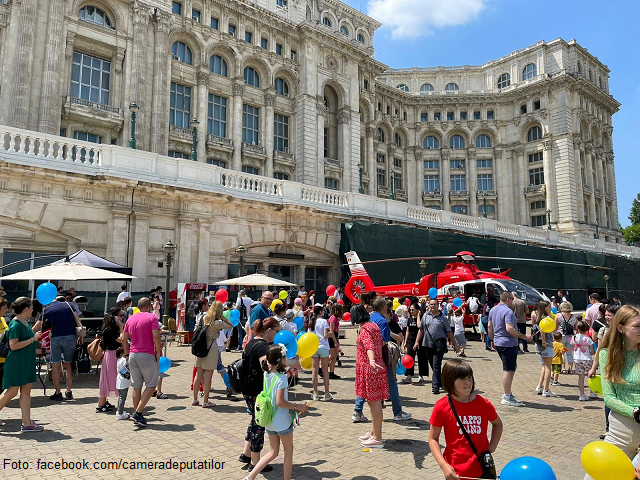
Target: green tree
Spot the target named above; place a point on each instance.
(634, 216)
(631, 234)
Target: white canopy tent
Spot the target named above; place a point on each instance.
(256, 280)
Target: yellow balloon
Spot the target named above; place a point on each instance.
(308, 345)
(595, 385)
(136, 310)
(547, 325)
(604, 461)
(396, 304)
(584, 315)
(306, 363)
(274, 303)
(283, 294)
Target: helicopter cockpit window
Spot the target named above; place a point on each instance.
(524, 291)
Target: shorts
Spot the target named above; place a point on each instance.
(63, 348)
(321, 353)
(582, 367)
(509, 357)
(283, 432)
(332, 344)
(144, 369)
(556, 368)
(461, 340)
(545, 352)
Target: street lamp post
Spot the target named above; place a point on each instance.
(133, 108)
(606, 285)
(423, 268)
(548, 219)
(360, 167)
(597, 234)
(241, 251)
(484, 204)
(194, 131)
(392, 195)
(169, 249)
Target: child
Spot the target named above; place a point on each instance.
(556, 363)
(582, 356)
(475, 413)
(458, 323)
(123, 382)
(281, 426)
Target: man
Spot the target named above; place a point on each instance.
(123, 294)
(244, 306)
(262, 310)
(593, 310)
(60, 315)
(143, 330)
(377, 317)
(302, 291)
(615, 301)
(504, 334)
(519, 308)
(68, 298)
(562, 297)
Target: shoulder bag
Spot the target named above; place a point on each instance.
(485, 458)
(81, 331)
(440, 344)
(95, 350)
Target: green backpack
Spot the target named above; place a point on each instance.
(264, 410)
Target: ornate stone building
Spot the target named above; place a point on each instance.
(283, 91)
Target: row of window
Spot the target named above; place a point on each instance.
(456, 141)
(344, 30)
(437, 116)
(458, 164)
(427, 87)
(458, 182)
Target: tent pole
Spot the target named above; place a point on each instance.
(106, 297)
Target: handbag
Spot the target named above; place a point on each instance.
(81, 331)
(95, 351)
(485, 458)
(440, 344)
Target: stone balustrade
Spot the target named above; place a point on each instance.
(40, 150)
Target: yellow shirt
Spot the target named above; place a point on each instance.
(558, 348)
(3, 328)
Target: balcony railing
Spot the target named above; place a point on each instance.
(332, 162)
(587, 188)
(251, 148)
(94, 105)
(216, 140)
(458, 193)
(534, 189)
(599, 192)
(180, 130)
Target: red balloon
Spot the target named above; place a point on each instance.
(222, 295)
(346, 316)
(330, 290)
(407, 302)
(407, 361)
(340, 302)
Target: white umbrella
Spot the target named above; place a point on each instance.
(67, 271)
(256, 280)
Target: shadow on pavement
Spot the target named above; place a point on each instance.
(418, 448)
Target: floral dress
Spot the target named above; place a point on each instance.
(370, 385)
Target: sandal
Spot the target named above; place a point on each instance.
(564, 372)
(161, 396)
(208, 405)
(195, 403)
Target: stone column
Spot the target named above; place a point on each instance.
(551, 195)
(601, 185)
(24, 13)
(502, 180)
(269, 101)
(238, 89)
(202, 110)
(117, 248)
(519, 199)
(50, 104)
(139, 75)
(204, 243)
(140, 251)
(592, 198)
(445, 181)
(320, 132)
(578, 179)
(418, 183)
(344, 150)
(612, 191)
(184, 250)
(371, 160)
(472, 183)
(160, 109)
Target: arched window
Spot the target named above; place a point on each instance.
(451, 87)
(94, 15)
(282, 87)
(430, 143)
(504, 80)
(483, 141)
(398, 140)
(344, 30)
(251, 77)
(218, 65)
(456, 142)
(529, 71)
(426, 87)
(534, 133)
(181, 52)
(403, 87)
(360, 38)
(326, 22)
(381, 135)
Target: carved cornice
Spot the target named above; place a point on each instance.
(444, 153)
(370, 132)
(162, 21)
(203, 78)
(269, 99)
(519, 151)
(343, 117)
(237, 88)
(589, 148)
(577, 142)
(497, 152)
(141, 13)
(546, 145)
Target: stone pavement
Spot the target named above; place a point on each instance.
(326, 443)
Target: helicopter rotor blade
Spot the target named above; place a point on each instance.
(400, 260)
(595, 267)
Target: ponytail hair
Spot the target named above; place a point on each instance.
(317, 313)
(274, 356)
(260, 326)
(337, 310)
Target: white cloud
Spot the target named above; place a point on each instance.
(418, 18)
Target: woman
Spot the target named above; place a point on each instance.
(213, 322)
(484, 318)
(566, 323)
(621, 380)
(320, 327)
(334, 345)
(3, 328)
(156, 306)
(371, 376)
(20, 366)
(111, 330)
(254, 353)
(411, 334)
(544, 349)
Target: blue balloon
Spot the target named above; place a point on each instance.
(299, 321)
(527, 468)
(457, 302)
(234, 317)
(300, 333)
(554, 310)
(164, 364)
(400, 369)
(226, 379)
(284, 337)
(46, 293)
(433, 292)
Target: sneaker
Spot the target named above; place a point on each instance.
(123, 416)
(407, 380)
(139, 420)
(229, 392)
(463, 355)
(583, 398)
(373, 443)
(539, 389)
(593, 395)
(365, 437)
(402, 416)
(315, 396)
(32, 427)
(68, 395)
(420, 379)
(556, 384)
(511, 401)
(109, 406)
(548, 393)
(333, 376)
(435, 391)
(56, 397)
(358, 417)
(244, 458)
(103, 408)
(327, 397)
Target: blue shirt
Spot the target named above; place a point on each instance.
(261, 312)
(63, 323)
(382, 323)
(499, 316)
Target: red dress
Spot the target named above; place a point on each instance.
(369, 385)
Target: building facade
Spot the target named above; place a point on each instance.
(277, 92)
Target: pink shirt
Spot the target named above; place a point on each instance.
(140, 329)
(593, 313)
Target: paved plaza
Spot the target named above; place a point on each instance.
(326, 443)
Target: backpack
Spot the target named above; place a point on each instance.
(264, 410)
(243, 311)
(199, 346)
(239, 373)
(4, 345)
(473, 305)
(568, 328)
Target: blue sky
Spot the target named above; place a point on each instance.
(427, 33)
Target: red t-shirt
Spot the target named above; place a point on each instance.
(475, 416)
